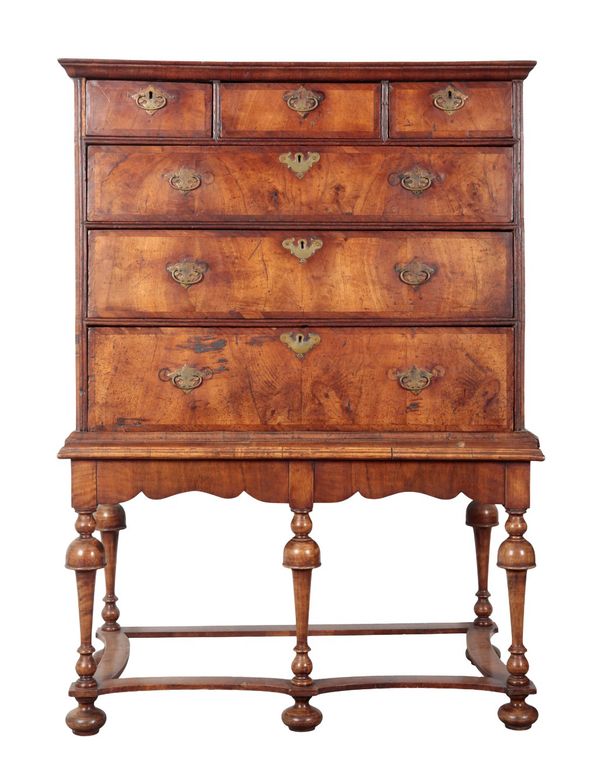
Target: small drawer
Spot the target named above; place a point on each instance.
(451, 109)
(301, 110)
(197, 274)
(322, 378)
(126, 108)
(293, 183)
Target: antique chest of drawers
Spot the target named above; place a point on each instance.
(299, 281)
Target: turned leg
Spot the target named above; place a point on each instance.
(516, 555)
(85, 556)
(301, 554)
(109, 521)
(482, 518)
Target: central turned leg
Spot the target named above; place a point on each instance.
(301, 554)
(85, 556)
(482, 518)
(109, 521)
(516, 555)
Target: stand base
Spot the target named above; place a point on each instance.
(300, 717)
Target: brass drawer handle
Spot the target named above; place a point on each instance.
(300, 342)
(449, 99)
(415, 180)
(186, 180)
(186, 378)
(150, 99)
(298, 162)
(415, 379)
(303, 100)
(305, 248)
(414, 273)
(188, 272)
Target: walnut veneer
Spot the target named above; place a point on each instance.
(301, 281)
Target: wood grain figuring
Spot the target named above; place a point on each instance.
(127, 183)
(111, 110)
(487, 112)
(333, 480)
(259, 110)
(345, 383)
(337, 481)
(252, 276)
(264, 480)
(380, 351)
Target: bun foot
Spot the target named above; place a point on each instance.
(86, 719)
(301, 717)
(517, 714)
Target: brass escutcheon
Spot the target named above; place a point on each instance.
(303, 100)
(150, 99)
(188, 272)
(414, 273)
(298, 162)
(449, 99)
(415, 180)
(300, 342)
(185, 378)
(185, 180)
(305, 248)
(415, 379)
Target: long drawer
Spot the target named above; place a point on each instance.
(436, 379)
(298, 273)
(290, 183)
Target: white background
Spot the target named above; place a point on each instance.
(197, 559)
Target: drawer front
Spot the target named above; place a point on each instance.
(474, 109)
(449, 184)
(126, 108)
(300, 110)
(435, 379)
(252, 275)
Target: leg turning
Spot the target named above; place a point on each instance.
(109, 521)
(482, 518)
(301, 554)
(85, 556)
(516, 555)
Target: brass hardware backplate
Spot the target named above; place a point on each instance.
(300, 342)
(186, 378)
(415, 180)
(414, 273)
(188, 272)
(305, 248)
(415, 379)
(150, 99)
(449, 99)
(298, 162)
(185, 180)
(303, 100)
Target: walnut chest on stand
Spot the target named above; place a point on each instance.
(300, 281)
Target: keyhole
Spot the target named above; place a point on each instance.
(149, 94)
(300, 337)
(302, 243)
(449, 94)
(299, 157)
